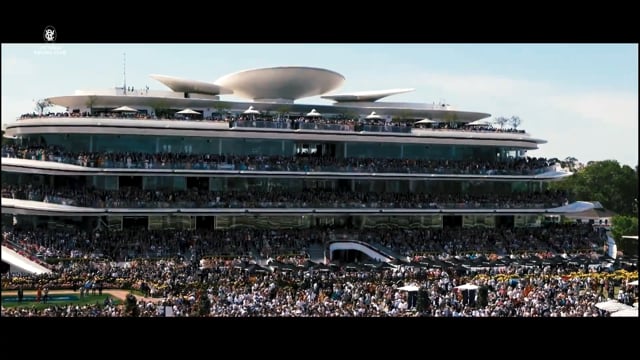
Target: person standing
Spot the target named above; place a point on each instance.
(20, 294)
(45, 298)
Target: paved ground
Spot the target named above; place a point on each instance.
(120, 294)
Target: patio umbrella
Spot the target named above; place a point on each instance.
(313, 112)
(373, 115)
(631, 312)
(188, 111)
(409, 288)
(425, 121)
(125, 109)
(479, 123)
(612, 306)
(251, 111)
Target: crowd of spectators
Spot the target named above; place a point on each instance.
(290, 122)
(131, 197)
(183, 288)
(301, 162)
(129, 244)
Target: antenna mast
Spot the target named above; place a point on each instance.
(124, 72)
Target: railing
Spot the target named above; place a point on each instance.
(275, 166)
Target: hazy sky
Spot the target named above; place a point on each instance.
(581, 98)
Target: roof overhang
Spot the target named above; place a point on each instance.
(373, 95)
(286, 82)
(190, 86)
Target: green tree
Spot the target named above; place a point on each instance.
(613, 185)
(623, 225)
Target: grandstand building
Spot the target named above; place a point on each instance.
(186, 158)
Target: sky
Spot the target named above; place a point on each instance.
(581, 98)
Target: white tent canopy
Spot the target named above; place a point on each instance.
(425, 121)
(251, 111)
(313, 112)
(125, 109)
(188, 111)
(635, 283)
(373, 115)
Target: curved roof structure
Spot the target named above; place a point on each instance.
(190, 86)
(370, 96)
(286, 83)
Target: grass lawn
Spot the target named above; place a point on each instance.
(11, 301)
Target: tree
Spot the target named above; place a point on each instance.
(515, 121)
(42, 105)
(501, 120)
(623, 225)
(570, 163)
(614, 186)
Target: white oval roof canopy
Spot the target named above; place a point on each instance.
(372, 96)
(285, 83)
(190, 86)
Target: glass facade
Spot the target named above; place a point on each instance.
(269, 147)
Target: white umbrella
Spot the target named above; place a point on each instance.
(479, 123)
(188, 111)
(612, 306)
(409, 288)
(251, 111)
(425, 121)
(313, 112)
(467, 287)
(125, 109)
(631, 312)
(635, 283)
(373, 115)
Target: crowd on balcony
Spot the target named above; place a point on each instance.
(326, 123)
(302, 162)
(135, 243)
(131, 197)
